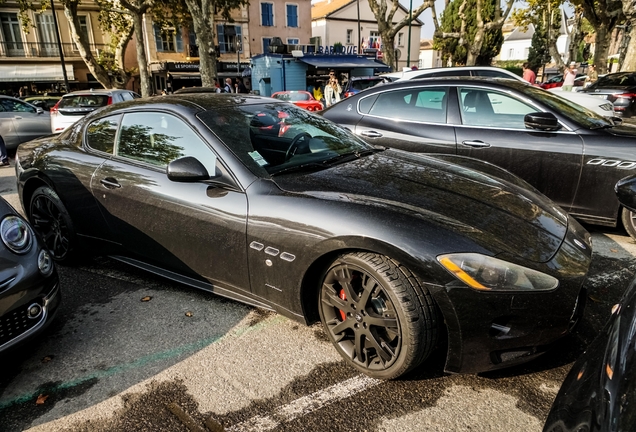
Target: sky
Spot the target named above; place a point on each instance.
(428, 28)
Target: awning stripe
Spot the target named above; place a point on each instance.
(38, 72)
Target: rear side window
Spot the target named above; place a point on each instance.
(84, 101)
(421, 105)
(100, 134)
(364, 84)
(366, 104)
(449, 73)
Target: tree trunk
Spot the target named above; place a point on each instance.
(116, 80)
(602, 49)
(142, 61)
(203, 21)
(629, 63)
(576, 37)
(554, 52)
(388, 52)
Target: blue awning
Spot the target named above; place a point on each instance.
(343, 62)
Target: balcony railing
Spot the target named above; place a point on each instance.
(44, 49)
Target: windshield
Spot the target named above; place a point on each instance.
(293, 96)
(274, 137)
(573, 111)
(622, 79)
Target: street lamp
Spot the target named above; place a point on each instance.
(59, 45)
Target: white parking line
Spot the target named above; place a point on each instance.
(306, 404)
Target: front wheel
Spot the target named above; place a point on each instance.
(51, 220)
(628, 218)
(377, 314)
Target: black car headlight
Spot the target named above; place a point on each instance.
(486, 273)
(16, 234)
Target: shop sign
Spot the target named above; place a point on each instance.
(183, 67)
(350, 49)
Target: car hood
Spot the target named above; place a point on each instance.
(497, 214)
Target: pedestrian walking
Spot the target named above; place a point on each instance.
(332, 89)
(569, 76)
(592, 75)
(228, 86)
(528, 74)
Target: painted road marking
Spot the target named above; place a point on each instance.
(306, 404)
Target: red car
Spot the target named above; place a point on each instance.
(300, 98)
(557, 81)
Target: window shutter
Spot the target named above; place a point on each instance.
(179, 39)
(220, 34)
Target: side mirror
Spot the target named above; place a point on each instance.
(617, 120)
(541, 121)
(625, 190)
(39, 110)
(187, 170)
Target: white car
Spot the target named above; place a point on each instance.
(75, 105)
(596, 104)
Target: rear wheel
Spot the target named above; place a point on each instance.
(628, 218)
(51, 220)
(378, 315)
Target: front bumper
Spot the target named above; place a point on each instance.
(492, 330)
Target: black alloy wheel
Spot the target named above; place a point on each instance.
(378, 315)
(51, 220)
(629, 222)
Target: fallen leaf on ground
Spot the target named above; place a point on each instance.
(47, 359)
(41, 399)
(189, 314)
(614, 250)
(145, 299)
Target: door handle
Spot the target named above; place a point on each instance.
(371, 134)
(110, 183)
(477, 144)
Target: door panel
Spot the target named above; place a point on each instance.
(409, 119)
(195, 229)
(493, 130)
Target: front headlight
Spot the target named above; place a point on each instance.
(486, 273)
(16, 234)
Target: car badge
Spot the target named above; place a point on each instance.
(580, 244)
(349, 108)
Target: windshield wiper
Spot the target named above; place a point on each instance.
(312, 166)
(349, 156)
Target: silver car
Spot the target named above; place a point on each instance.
(21, 121)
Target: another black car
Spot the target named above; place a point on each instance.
(356, 84)
(618, 88)
(570, 154)
(29, 290)
(599, 392)
(266, 203)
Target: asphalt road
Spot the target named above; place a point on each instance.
(133, 352)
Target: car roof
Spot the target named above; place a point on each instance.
(437, 81)
(95, 91)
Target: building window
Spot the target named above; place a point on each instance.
(46, 34)
(292, 15)
(293, 41)
(11, 33)
(267, 14)
(168, 40)
(83, 29)
(349, 37)
(400, 39)
(230, 37)
(511, 53)
(374, 39)
(266, 42)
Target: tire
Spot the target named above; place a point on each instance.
(51, 220)
(628, 218)
(378, 315)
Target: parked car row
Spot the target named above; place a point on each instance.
(405, 212)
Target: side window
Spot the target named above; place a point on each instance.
(425, 105)
(158, 139)
(492, 74)
(366, 104)
(490, 108)
(127, 96)
(100, 134)
(17, 106)
(448, 73)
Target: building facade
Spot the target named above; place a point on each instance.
(335, 22)
(30, 59)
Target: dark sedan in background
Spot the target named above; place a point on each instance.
(618, 88)
(568, 153)
(29, 291)
(261, 201)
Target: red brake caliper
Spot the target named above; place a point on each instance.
(343, 297)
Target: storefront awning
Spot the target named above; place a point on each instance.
(35, 73)
(343, 62)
